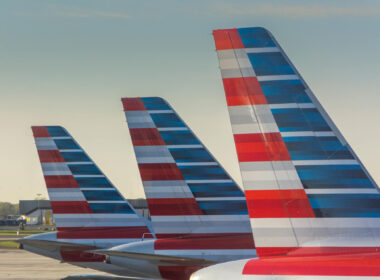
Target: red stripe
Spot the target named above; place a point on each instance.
(314, 251)
(80, 256)
(40, 131)
(177, 272)
(60, 181)
(227, 39)
(360, 265)
(226, 241)
(103, 233)
(159, 171)
(278, 204)
(70, 207)
(133, 104)
(261, 147)
(243, 91)
(173, 206)
(146, 137)
(50, 156)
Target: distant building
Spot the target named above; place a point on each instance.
(37, 212)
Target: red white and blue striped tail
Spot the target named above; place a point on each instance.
(307, 192)
(84, 202)
(187, 190)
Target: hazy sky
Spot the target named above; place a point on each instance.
(70, 62)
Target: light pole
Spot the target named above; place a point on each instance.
(38, 206)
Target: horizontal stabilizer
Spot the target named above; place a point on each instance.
(155, 258)
(100, 277)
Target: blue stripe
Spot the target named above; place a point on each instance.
(287, 91)
(167, 120)
(84, 169)
(216, 190)
(255, 37)
(56, 131)
(203, 173)
(224, 207)
(182, 137)
(75, 156)
(155, 103)
(296, 119)
(102, 195)
(190, 155)
(309, 148)
(270, 64)
(120, 208)
(333, 176)
(345, 205)
(66, 144)
(93, 183)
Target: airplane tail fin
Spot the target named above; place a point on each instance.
(187, 190)
(84, 202)
(305, 187)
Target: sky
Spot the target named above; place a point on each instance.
(69, 62)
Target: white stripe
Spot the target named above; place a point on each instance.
(196, 163)
(291, 105)
(70, 150)
(205, 218)
(61, 137)
(172, 128)
(342, 191)
(184, 146)
(160, 111)
(208, 181)
(316, 222)
(220, 198)
(308, 134)
(202, 252)
(262, 50)
(277, 78)
(326, 162)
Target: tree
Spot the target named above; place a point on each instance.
(7, 208)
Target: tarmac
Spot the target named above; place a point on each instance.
(22, 265)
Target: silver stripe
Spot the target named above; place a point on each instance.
(172, 128)
(308, 134)
(326, 162)
(262, 50)
(160, 111)
(45, 143)
(277, 78)
(291, 105)
(196, 163)
(208, 181)
(342, 191)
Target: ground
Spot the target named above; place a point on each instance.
(21, 265)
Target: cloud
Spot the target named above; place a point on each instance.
(293, 11)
